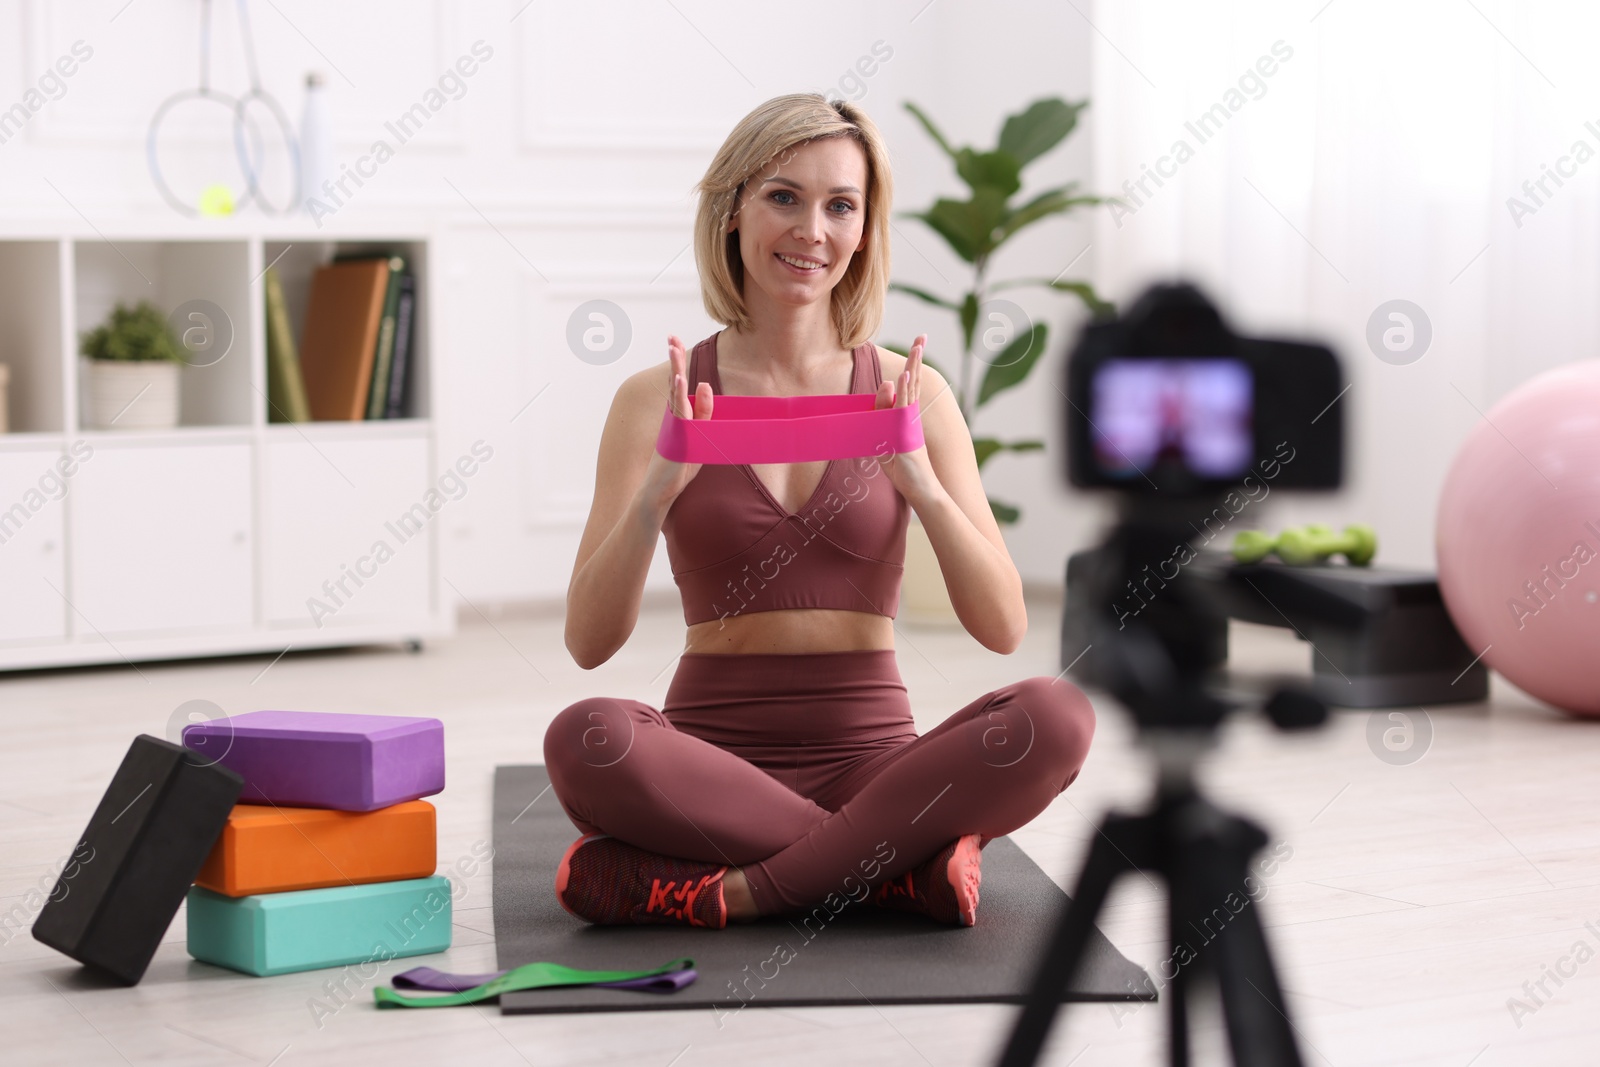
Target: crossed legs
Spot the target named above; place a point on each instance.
(621, 767)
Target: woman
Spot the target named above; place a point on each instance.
(784, 770)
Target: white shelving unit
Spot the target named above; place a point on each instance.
(228, 533)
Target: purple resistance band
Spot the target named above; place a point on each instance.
(790, 429)
(442, 982)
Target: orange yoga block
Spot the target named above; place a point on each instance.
(267, 849)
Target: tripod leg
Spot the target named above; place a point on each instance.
(1216, 850)
(1120, 838)
(1259, 1031)
(1176, 993)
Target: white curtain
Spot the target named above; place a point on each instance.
(1323, 158)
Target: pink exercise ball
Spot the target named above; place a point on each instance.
(1518, 538)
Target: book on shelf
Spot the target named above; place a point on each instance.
(404, 326)
(286, 389)
(344, 317)
(383, 357)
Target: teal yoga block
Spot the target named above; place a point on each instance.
(279, 933)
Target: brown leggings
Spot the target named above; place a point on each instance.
(805, 769)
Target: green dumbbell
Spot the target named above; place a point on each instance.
(1307, 544)
(1253, 546)
(1299, 545)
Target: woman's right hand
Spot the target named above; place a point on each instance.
(666, 478)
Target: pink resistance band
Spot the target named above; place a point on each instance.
(790, 429)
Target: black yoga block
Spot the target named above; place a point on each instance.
(166, 806)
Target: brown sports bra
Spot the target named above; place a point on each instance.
(735, 550)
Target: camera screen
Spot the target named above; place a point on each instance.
(1193, 413)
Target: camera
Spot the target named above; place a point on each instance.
(1185, 422)
(1169, 400)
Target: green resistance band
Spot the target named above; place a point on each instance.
(532, 976)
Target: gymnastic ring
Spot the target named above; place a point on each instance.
(247, 163)
(153, 158)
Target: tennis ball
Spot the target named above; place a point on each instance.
(216, 200)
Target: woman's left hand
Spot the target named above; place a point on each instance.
(911, 473)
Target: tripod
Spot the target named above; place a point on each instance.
(1155, 662)
(1189, 413)
(1202, 853)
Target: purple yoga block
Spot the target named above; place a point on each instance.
(314, 759)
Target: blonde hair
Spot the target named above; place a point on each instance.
(760, 137)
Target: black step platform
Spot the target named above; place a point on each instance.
(1395, 648)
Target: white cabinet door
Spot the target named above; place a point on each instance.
(161, 539)
(348, 531)
(32, 575)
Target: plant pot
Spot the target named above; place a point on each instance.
(923, 596)
(131, 394)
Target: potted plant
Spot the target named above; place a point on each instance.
(131, 379)
(975, 228)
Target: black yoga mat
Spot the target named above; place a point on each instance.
(861, 954)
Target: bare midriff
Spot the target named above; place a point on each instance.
(792, 630)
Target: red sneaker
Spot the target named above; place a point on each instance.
(944, 888)
(611, 883)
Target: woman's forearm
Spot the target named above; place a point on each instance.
(605, 593)
(984, 586)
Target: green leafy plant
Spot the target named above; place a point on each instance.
(132, 334)
(975, 229)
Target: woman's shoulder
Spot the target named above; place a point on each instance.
(662, 371)
(645, 391)
(892, 363)
(657, 375)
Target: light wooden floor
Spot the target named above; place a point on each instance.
(1417, 899)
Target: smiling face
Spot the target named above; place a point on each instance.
(802, 218)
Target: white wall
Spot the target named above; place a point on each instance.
(1378, 161)
(563, 174)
